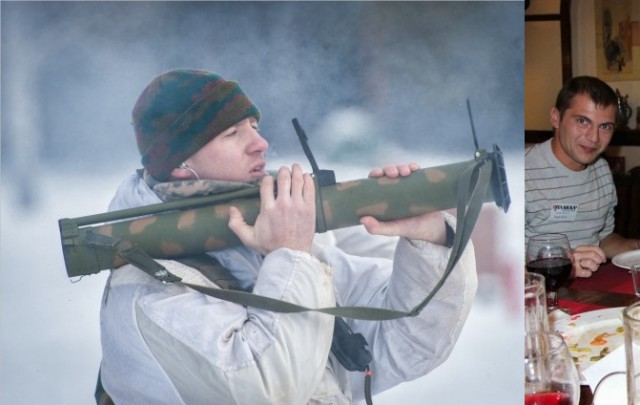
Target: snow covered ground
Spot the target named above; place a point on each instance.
(49, 326)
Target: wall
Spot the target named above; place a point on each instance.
(583, 36)
(543, 75)
(543, 64)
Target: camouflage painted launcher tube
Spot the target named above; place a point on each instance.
(189, 231)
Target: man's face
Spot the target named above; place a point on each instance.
(236, 154)
(583, 132)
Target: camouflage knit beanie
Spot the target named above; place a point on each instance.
(181, 111)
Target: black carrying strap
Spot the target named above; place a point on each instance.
(211, 268)
(472, 188)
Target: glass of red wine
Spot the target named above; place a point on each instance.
(550, 255)
(550, 375)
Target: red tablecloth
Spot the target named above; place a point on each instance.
(609, 278)
(578, 307)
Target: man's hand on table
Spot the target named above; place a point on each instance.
(586, 260)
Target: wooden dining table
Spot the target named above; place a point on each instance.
(609, 287)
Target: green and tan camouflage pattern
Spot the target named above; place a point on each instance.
(184, 232)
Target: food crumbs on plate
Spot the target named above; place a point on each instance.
(574, 348)
(578, 354)
(600, 340)
(603, 353)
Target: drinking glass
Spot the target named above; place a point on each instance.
(631, 321)
(550, 255)
(635, 277)
(550, 375)
(535, 303)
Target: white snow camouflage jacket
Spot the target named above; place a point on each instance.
(168, 344)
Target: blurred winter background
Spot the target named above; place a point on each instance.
(371, 82)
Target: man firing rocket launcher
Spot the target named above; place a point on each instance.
(273, 332)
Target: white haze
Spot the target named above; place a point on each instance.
(371, 83)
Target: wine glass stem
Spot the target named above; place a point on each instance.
(552, 301)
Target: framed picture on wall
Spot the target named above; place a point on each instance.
(617, 39)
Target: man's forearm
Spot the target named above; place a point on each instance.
(614, 244)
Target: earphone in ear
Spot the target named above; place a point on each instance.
(183, 165)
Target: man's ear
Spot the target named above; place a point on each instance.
(180, 173)
(555, 118)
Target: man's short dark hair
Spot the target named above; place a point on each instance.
(600, 92)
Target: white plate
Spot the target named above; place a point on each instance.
(628, 259)
(591, 335)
